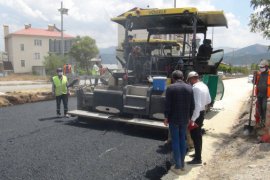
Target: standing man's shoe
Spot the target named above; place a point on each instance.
(179, 171)
(58, 115)
(195, 161)
(192, 155)
(67, 116)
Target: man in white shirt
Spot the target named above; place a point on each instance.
(202, 98)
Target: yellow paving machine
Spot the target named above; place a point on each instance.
(135, 94)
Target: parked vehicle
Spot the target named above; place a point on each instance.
(136, 93)
(250, 78)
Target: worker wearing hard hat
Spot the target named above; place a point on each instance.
(202, 99)
(262, 90)
(60, 90)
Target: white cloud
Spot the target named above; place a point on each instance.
(236, 35)
(23, 6)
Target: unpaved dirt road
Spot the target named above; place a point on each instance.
(9, 86)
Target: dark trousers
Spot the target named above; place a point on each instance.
(64, 98)
(262, 105)
(196, 135)
(96, 81)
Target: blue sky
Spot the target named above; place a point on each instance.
(241, 9)
(92, 18)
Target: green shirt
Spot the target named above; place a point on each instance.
(60, 85)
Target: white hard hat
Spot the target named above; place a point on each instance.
(192, 74)
(263, 63)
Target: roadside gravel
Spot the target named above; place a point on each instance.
(240, 156)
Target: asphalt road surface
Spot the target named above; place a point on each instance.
(34, 144)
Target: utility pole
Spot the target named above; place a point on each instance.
(174, 3)
(62, 12)
(212, 36)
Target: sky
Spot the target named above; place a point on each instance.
(92, 18)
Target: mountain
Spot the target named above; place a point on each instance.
(108, 50)
(227, 49)
(247, 55)
(243, 56)
(108, 55)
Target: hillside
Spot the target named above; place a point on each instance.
(108, 55)
(247, 55)
(243, 56)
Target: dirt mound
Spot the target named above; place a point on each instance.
(27, 96)
(22, 97)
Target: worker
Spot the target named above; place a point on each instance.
(179, 105)
(67, 69)
(128, 47)
(205, 50)
(60, 91)
(96, 72)
(262, 90)
(202, 99)
(102, 70)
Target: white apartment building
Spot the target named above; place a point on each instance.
(26, 48)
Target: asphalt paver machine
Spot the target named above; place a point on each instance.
(135, 94)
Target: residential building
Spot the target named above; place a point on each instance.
(5, 65)
(26, 48)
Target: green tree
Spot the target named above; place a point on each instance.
(254, 66)
(52, 62)
(83, 50)
(259, 20)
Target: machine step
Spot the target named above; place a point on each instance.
(103, 116)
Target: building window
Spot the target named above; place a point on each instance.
(22, 63)
(36, 56)
(22, 47)
(37, 42)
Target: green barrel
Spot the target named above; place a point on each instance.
(215, 85)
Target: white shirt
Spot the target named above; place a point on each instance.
(96, 69)
(201, 97)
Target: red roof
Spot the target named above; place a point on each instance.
(40, 32)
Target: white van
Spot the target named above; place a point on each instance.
(220, 73)
(250, 78)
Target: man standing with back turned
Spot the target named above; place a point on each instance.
(202, 99)
(179, 105)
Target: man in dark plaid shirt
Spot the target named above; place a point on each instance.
(179, 106)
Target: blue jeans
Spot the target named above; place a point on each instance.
(178, 134)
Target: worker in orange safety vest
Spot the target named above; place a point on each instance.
(262, 90)
(67, 69)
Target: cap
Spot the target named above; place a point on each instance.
(192, 74)
(264, 63)
(59, 70)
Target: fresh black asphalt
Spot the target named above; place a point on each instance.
(34, 144)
